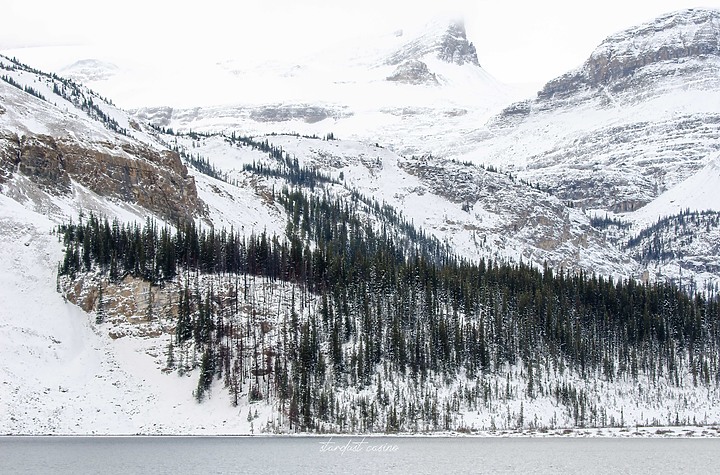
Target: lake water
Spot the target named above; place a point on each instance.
(325, 455)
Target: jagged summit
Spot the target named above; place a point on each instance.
(440, 40)
(444, 40)
(455, 47)
(676, 38)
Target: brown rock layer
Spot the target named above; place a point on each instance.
(157, 181)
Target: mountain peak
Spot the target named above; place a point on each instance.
(455, 47)
(675, 37)
(443, 39)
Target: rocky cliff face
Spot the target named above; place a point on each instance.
(8, 157)
(136, 174)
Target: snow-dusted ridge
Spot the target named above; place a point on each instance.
(619, 60)
(637, 118)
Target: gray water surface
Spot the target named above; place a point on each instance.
(326, 455)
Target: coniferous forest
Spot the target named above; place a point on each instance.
(375, 320)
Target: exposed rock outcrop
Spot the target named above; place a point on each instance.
(280, 113)
(548, 230)
(9, 155)
(157, 181)
(413, 72)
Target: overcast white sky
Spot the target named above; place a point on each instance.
(517, 40)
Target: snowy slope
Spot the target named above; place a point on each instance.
(698, 192)
(60, 107)
(62, 374)
(639, 117)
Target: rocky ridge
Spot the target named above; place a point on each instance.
(59, 148)
(675, 37)
(637, 118)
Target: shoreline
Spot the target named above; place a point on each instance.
(639, 432)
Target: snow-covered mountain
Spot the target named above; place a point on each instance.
(619, 134)
(636, 119)
(418, 91)
(633, 130)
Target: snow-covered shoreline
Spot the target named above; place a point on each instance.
(647, 432)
